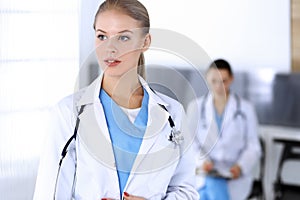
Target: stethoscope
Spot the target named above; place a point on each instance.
(175, 136)
(238, 111)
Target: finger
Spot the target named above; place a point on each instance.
(131, 197)
(126, 196)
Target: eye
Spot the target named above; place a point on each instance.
(124, 38)
(101, 37)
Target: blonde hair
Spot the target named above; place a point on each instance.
(135, 10)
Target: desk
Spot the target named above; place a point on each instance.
(269, 134)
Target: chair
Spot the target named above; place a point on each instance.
(284, 190)
(257, 187)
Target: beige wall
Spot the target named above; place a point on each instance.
(295, 35)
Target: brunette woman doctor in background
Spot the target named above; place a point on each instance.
(228, 145)
(126, 147)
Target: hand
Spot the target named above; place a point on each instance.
(131, 197)
(235, 171)
(207, 166)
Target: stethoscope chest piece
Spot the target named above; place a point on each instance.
(176, 136)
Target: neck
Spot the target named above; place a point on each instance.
(220, 102)
(126, 91)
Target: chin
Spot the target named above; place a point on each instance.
(220, 94)
(112, 74)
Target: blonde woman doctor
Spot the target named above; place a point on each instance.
(117, 138)
(227, 145)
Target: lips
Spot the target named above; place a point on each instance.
(112, 62)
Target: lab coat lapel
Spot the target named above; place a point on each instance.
(229, 112)
(157, 120)
(210, 113)
(212, 132)
(93, 131)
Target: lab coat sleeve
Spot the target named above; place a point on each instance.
(251, 154)
(60, 128)
(182, 184)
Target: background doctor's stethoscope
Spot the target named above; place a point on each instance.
(206, 123)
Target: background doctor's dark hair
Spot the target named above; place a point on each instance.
(221, 64)
(135, 10)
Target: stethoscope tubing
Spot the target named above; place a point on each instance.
(74, 137)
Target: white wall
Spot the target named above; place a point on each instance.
(251, 34)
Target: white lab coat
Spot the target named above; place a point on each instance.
(238, 143)
(159, 171)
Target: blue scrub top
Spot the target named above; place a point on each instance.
(126, 137)
(219, 119)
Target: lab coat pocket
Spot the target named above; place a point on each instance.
(160, 177)
(94, 180)
(233, 140)
(86, 186)
(159, 182)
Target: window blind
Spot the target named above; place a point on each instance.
(39, 62)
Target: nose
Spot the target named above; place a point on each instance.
(220, 84)
(111, 46)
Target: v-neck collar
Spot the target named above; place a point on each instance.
(122, 119)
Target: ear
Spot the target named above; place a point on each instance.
(147, 42)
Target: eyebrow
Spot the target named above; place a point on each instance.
(124, 31)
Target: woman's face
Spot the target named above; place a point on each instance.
(219, 81)
(119, 42)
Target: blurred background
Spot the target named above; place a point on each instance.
(45, 43)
